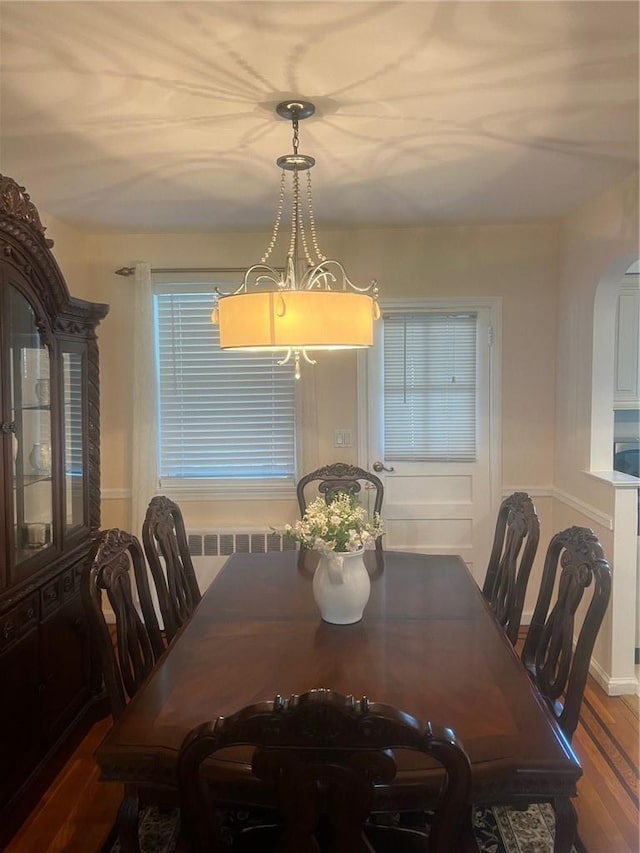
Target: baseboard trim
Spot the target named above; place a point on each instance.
(613, 686)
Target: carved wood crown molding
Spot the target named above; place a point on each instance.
(160, 511)
(16, 202)
(579, 544)
(338, 469)
(111, 543)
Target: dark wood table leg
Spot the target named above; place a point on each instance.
(566, 825)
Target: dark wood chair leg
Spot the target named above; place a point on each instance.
(127, 820)
(566, 825)
(468, 840)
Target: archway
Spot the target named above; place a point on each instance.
(621, 276)
(604, 335)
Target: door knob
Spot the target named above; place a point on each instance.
(379, 466)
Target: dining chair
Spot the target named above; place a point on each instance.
(322, 754)
(556, 660)
(138, 642)
(557, 652)
(334, 479)
(514, 549)
(165, 543)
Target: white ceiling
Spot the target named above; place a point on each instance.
(159, 116)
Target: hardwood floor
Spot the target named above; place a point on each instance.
(607, 744)
(78, 810)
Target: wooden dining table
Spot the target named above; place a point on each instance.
(428, 644)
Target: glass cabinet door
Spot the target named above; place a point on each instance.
(74, 418)
(29, 363)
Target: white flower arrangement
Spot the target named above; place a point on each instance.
(340, 526)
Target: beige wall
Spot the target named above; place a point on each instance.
(70, 252)
(546, 275)
(594, 238)
(517, 262)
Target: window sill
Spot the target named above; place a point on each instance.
(616, 479)
(228, 490)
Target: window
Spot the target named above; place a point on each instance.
(224, 418)
(73, 415)
(430, 387)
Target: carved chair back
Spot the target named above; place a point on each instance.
(557, 667)
(138, 643)
(335, 479)
(165, 543)
(322, 753)
(514, 549)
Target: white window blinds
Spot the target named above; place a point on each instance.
(73, 413)
(224, 415)
(430, 387)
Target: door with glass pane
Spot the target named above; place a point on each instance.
(44, 426)
(27, 360)
(429, 428)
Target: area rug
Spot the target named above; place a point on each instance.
(498, 830)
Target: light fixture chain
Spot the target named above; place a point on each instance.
(297, 223)
(295, 204)
(303, 236)
(276, 227)
(295, 135)
(312, 220)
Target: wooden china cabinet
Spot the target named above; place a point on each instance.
(49, 503)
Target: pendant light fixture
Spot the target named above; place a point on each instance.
(309, 305)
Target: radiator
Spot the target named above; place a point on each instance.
(209, 549)
(222, 543)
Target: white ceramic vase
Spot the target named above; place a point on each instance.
(341, 587)
(40, 458)
(43, 392)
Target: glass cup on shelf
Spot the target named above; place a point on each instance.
(36, 535)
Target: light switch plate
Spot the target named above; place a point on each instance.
(342, 438)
